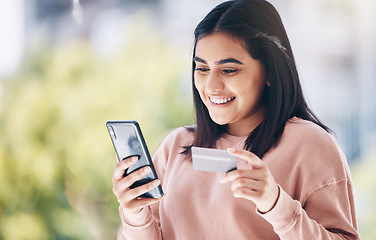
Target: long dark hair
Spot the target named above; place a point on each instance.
(259, 26)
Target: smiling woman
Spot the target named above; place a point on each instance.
(230, 83)
(292, 180)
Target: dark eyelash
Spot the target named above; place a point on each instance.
(229, 71)
(202, 69)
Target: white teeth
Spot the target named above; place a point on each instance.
(220, 100)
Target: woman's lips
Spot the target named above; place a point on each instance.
(221, 100)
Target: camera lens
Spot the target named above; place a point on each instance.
(112, 132)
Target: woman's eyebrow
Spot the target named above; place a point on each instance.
(223, 61)
(229, 60)
(197, 59)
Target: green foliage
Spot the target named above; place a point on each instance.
(365, 195)
(56, 158)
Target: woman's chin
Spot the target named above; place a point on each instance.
(220, 121)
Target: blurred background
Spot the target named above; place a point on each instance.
(68, 66)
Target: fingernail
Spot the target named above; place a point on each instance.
(147, 169)
(156, 183)
(222, 180)
(134, 159)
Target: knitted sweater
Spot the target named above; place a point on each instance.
(316, 193)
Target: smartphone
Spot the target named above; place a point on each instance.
(128, 141)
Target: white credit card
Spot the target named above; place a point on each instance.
(213, 160)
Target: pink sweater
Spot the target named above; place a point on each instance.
(316, 199)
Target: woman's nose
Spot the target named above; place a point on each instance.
(214, 83)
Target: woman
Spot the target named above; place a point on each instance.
(292, 180)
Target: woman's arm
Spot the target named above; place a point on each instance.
(140, 226)
(135, 213)
(327, 212)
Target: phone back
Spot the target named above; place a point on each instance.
(128, 141)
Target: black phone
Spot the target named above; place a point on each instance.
(128, 141)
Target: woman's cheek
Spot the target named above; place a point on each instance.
(199, 84)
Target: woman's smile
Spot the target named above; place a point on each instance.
(221, 100)
(230, 82)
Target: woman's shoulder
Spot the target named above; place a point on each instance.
(306, 132)
(173, 145)
(310, 141)
(180, 137)
(312, 146)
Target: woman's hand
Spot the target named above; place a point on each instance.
(256, 184)
(128, 198)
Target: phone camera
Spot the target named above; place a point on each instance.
(112, 132)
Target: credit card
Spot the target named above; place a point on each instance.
(212, 160)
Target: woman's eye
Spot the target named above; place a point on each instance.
(200, 69)
(229, 71)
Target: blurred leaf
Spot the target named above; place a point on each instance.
(363, 174)
(56, 156)
(32, 227)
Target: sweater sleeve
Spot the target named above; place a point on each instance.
(316, 200)
(139, 226)
(326, 215)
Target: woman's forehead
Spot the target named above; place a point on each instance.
(219, 46)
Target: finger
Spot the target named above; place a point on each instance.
(247, 183)
(122, 166)
(126, 195)
(246, 193)
(123, 184)
(138, 191)
(137, 204)
(137, 175)
(255, 174)
(248, 156)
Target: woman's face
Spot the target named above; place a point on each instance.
(230, 82)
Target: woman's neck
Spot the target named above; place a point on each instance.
(246, 126)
